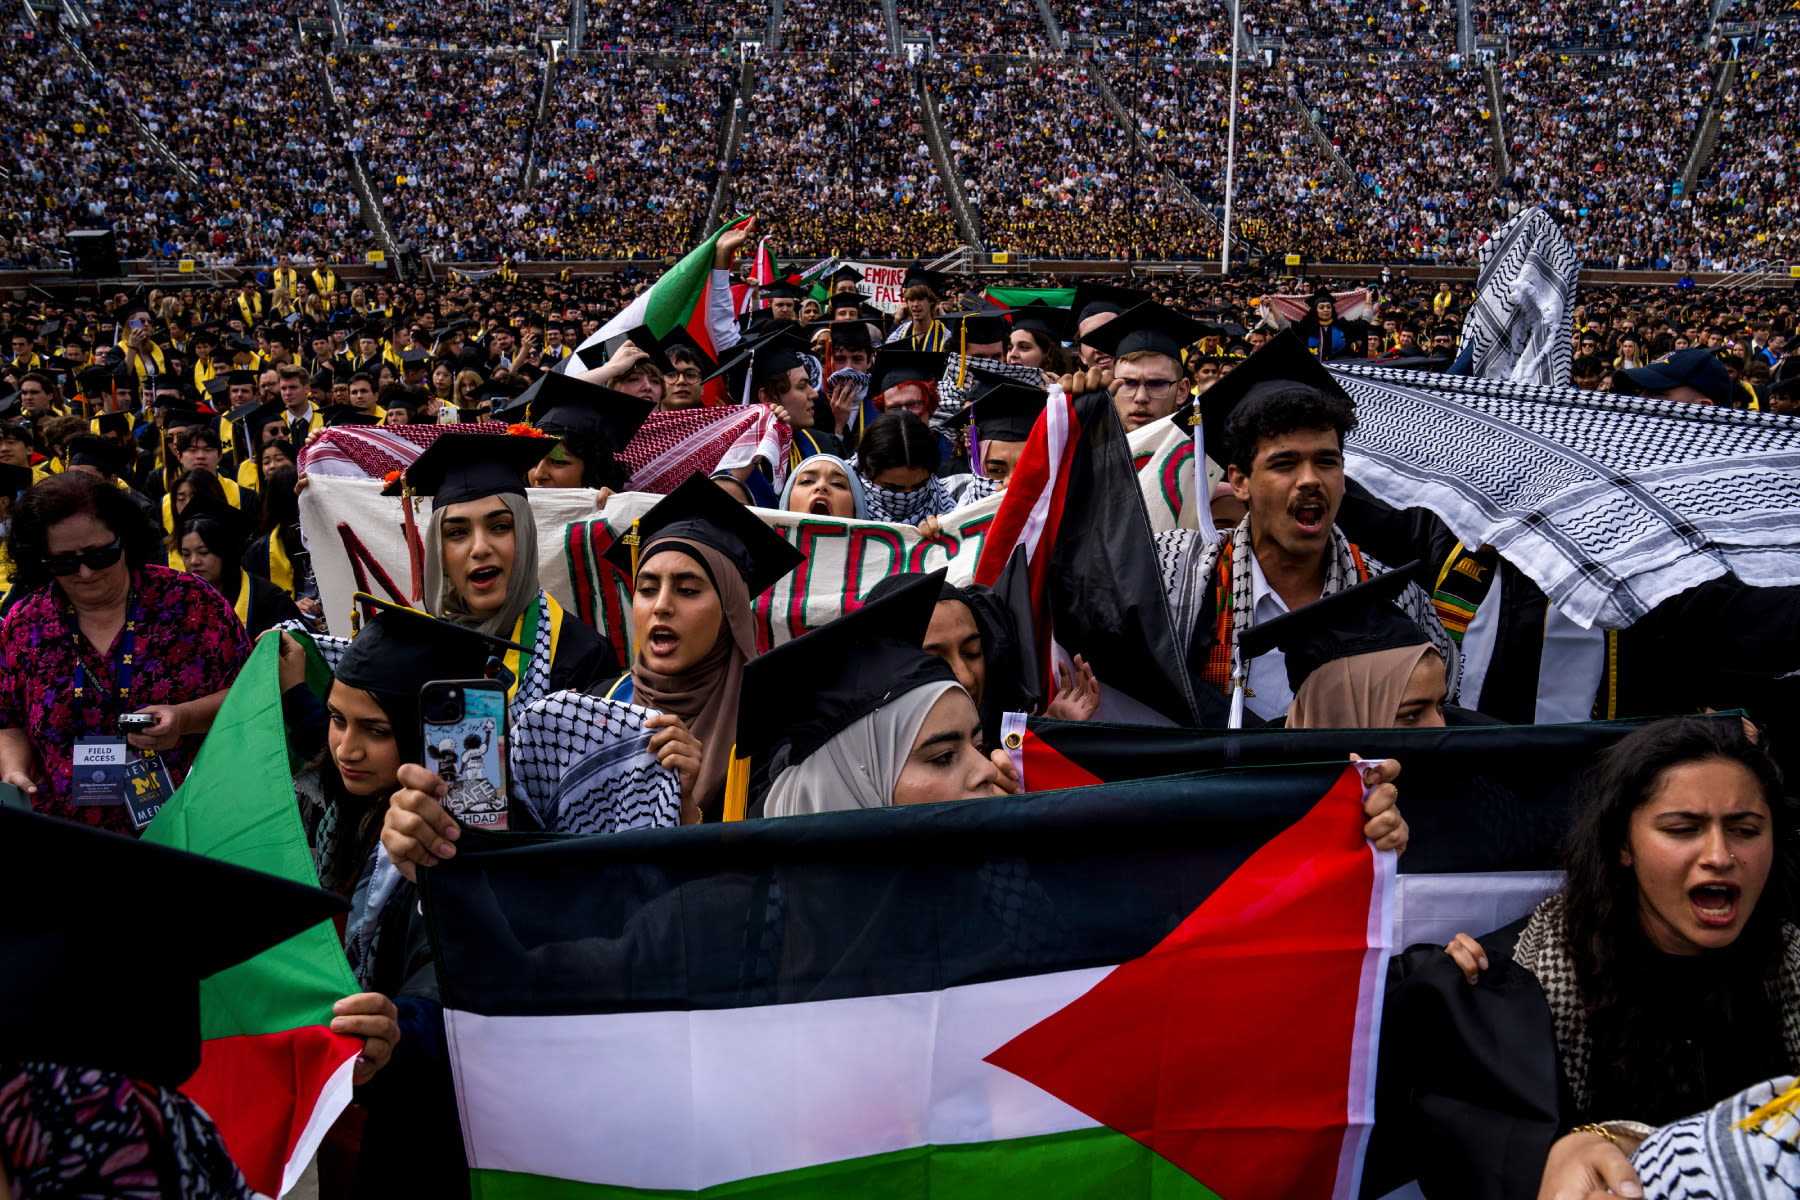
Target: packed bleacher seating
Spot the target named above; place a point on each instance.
(1645, 25)
(686, 26)
(466, 24)
(820, 27)
(610, 111)
(839, 161)
(1003, 28)
(1748, 199)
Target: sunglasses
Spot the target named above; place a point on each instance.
(97, 559)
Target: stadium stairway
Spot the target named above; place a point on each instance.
(732, 125)
(946, 164)
(1297, 99)
(1706, 133)
(890, 19)
(1496, 104)
(529, 150)
(372, 214)
(144, 135)
(1135, 135)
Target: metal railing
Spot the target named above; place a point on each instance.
(1496, 95)
(737, 112)
(1706, 132)
(529, 178)
(121, 104)
(966, 219)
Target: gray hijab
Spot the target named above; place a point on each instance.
(860, 767)
(856, 483)
(442, 600)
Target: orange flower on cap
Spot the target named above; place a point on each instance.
(524, 430)
(391, 477)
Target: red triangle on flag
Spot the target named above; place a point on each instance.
(1240, 1048)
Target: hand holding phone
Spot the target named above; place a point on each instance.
(136, 722)
(464, 725)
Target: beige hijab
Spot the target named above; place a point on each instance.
(1362, 691)
(705, 697)
(860, 767)
(443, 600)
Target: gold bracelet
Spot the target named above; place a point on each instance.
(1602, 1130)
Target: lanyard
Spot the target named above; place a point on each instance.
(121, 661)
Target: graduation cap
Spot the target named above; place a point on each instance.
(92, 450)
(73, 929)
(113, 423)
(1092, 299)
(1361, 619)
(217, 387)
(893, 367)
(405, 399)
(1282, 362)
(781, 289)
(572, 406)
(104, 377)
(222, 528)
(349, 414)
(1004, 411)
(806, 691)
(702, 512)
(414, 359)
(845, 301)
(1052, 322)
(1149, 326)
(847, 273)
(184, 418)
(979, 323)
(644, 340)
(472, 466)
(918, 276)
(399, 650)
(679, 337)
(9, 405)
(14, 480)
(773, 353)
(854, 334)
(257, 418)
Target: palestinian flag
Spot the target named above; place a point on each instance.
(1160, 990)
(1018, 297)
(272, 1075)
(683, 298)
(1074, 504)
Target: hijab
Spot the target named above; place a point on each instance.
(860, 767)
(856, 483)
(443, 600)
(705, 697)
(1362, 691)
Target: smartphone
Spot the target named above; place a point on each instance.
(139, 322)
(464, 726)
(131, 722)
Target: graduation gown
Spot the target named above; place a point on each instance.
(579, 655)
(259, 604)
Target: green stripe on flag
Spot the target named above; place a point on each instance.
(1084, 1163)
(672, 297)
(1014, 297)
(237, 805)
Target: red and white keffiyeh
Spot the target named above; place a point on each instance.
(362, 452)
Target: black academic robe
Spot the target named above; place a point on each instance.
(583, 658)
(269, 606)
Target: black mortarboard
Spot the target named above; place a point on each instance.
(222, 528)
(679, 337)
(13, 480)
(92, 450)
(805, 692)
(781, 289)
(644, 340)
(1282, 362)
(217, 387)
(1054, 322)
(571, 406)
(324, 377)
(1358, 620)
(399, 649)
(183, 418)
(9, 404)
(1149, 326)
(71, 890)
(404, 398)
(702, 512)
(113, 423)
(414, 358)
(980, 323)
(240, 378)
(104, 377)
(772, 353)
(846, 272)
(917, 276)
(854, 334)
(1006, 411)
(1091, 299)
(349, 414)
(845, 301)
(893, 367)
(263, 414)
(471, 466)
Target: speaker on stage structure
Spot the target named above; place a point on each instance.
(96, 253)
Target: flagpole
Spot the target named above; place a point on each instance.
(1231, 138)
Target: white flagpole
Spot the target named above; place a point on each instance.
(1231, 138)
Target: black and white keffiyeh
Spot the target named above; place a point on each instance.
(1518, 325)
(953, 397)
(1187, 561)
(1711, 1156)
(583, 765)
(1610, 504)
(937, 496)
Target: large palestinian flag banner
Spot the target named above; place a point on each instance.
(1156, 990)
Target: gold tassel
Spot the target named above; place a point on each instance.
(962, 352)
(631, 539)
(737, 787)
(1781, 1106)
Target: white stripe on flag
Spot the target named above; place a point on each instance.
(1365, 1043)
(687, 1100)
(1056, 437)
(1435, 908)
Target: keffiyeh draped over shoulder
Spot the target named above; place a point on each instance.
(1517, 328)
